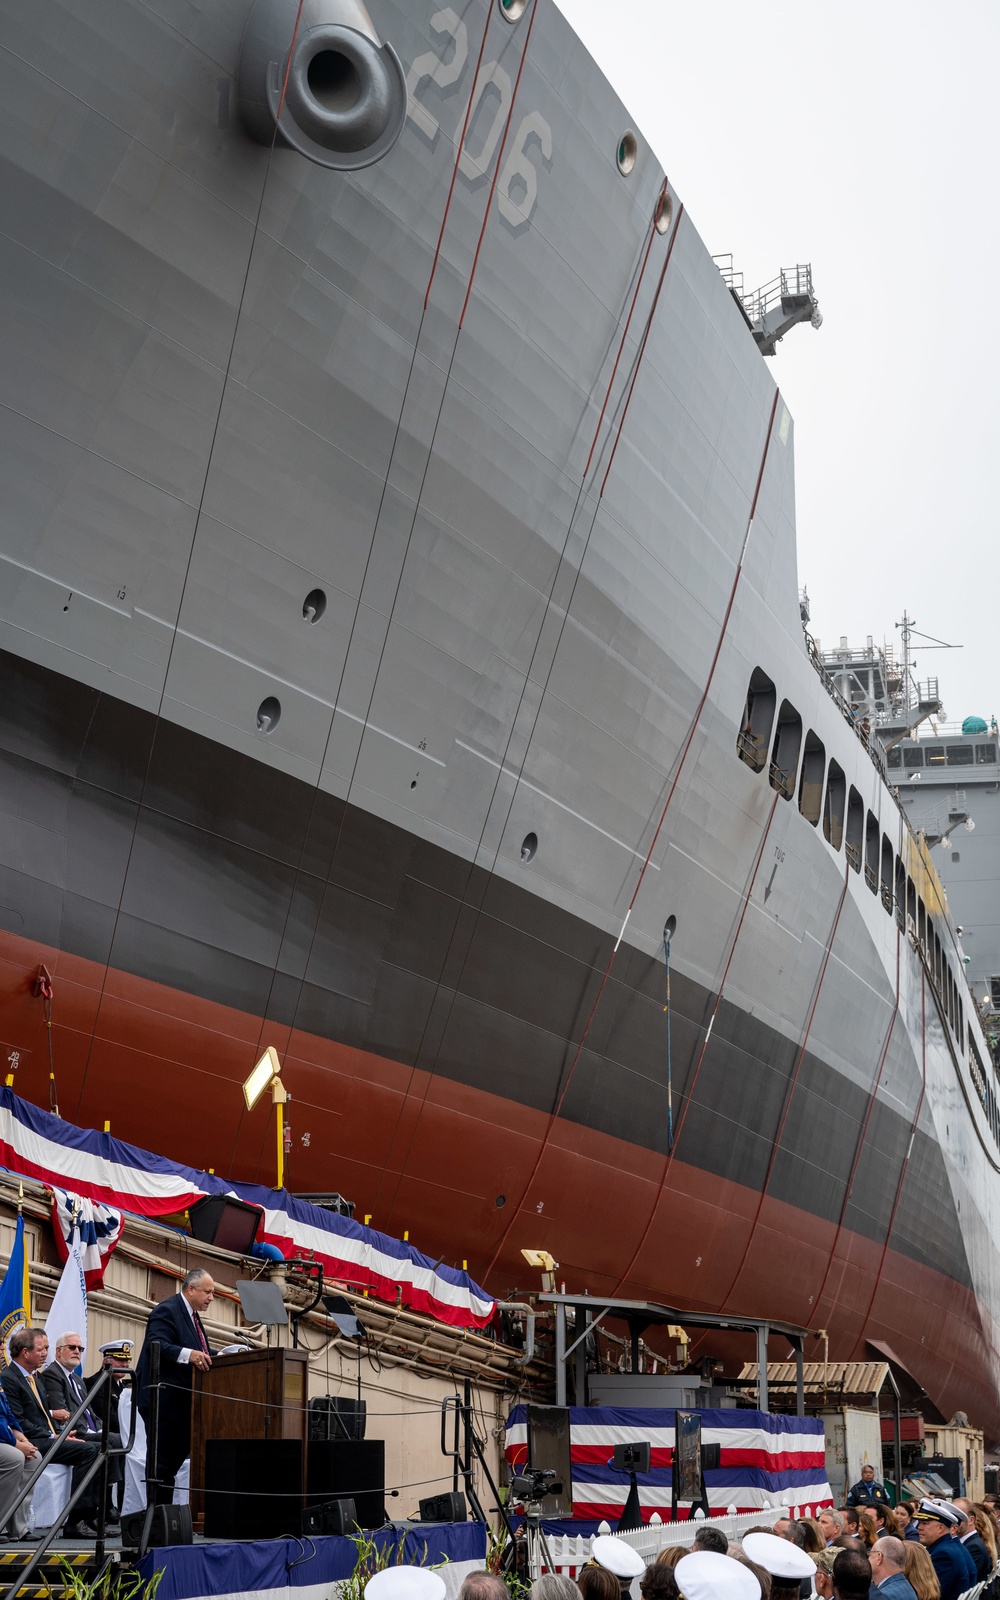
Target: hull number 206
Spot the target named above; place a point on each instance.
(517, 185)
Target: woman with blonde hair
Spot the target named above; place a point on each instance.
(812, 1536)
(918, 1570)
(986, 1531)
(671, 1555)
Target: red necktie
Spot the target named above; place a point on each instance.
(199, 1330)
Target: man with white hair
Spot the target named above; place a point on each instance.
(887, 1557)
(63, 1392)
(831, 1524)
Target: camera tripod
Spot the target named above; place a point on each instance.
(538, 1553)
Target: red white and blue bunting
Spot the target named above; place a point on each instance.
(766, 1460)
(99, 1227)
(100, 1168)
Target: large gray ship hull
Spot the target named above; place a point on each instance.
(423, 833)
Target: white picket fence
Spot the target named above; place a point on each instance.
(569, 1554)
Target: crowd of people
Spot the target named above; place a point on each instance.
(868, 1550)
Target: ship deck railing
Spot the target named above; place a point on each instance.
(781, 780)
(873, 747)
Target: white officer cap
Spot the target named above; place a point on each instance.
(779, 1557)
(616, 1556)
(939, 1511)
(707, 1575)
(405, 1583)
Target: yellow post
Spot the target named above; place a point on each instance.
(279, 1095)
(107, 1127)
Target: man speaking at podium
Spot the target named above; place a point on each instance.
(176, 1325)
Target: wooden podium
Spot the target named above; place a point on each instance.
(259, 1394)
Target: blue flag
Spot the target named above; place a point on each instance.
(15, 1295)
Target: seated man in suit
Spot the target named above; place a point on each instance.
(29, 1351)
(175, 1324)
(887, 1557)
(63, 1390)
(17, 1454)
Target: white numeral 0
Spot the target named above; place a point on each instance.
(473, 166)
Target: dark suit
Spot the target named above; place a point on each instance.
(171, 1324)
(35, 1423)
(955, 1568)
(63, 1391)
(980, 1555)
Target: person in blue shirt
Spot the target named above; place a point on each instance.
(956, 1571)
(15, 1453)
(887, 1556)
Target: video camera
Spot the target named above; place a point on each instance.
(534, 1485)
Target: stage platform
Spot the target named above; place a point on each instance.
(307, 1568)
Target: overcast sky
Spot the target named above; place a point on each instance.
(862, 138)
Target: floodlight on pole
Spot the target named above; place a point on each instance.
(267, 1075)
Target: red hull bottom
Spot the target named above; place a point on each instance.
(456, 1166)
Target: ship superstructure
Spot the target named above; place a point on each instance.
(403, 663)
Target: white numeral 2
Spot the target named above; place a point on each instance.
(443, 73)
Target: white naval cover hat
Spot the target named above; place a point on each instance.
(617, 1556)
(707, 1575)
(938, 1511)
(405, 1583)
(779, 1557)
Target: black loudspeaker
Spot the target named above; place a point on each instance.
(342, 1469)
(337, 1417)
(170, 1525)
(632, 1457)
(331, 1516)
(253, 1488)
(711, 1457)
(444, 1508)
(230, 1224)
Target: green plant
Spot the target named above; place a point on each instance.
(500, 1560)
(113, 1584)
(373, 1557)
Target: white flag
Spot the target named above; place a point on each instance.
(69, 1308)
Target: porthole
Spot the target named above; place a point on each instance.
(268, 714)
(627, 152)
(314, 605)
(501, 1200)
(664, 213)
(512, 10)
(669, 929)
(529, 844)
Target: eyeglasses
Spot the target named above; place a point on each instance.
(72, 1346)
